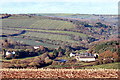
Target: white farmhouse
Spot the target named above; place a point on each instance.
(85, 58)
(72, 54)
(8, 53)
(13, 52)
(36, 47)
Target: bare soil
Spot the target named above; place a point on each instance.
(59, 73)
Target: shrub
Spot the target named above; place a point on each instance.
(15, 61)
(10, 56)
(24, 65)
(100, 62)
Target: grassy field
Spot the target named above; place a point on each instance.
(0, 56)
(106, 66)
(41, 28)
(52, 31)
(78, 66)
(31, 42)
(52, 24)
(69, 15)
(36, 23)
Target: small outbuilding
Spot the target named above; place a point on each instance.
(72, 54)
(36, 47)
(9, 52)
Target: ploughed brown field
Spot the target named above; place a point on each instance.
(59, 73)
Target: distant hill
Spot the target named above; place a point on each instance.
(2, 16)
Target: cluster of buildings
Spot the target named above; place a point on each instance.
(8, 53)
(86, 57)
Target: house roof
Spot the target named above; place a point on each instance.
(73, 53)
(87, 54)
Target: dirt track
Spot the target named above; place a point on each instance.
(59, 73)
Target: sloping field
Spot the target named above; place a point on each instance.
(52, 24)
(106, 66)
(36, 23)
(59, 73)
(41, 28)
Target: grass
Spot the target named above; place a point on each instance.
(58, 66)
(106, 66)
(50, 34)
(81, 51)
(0, 57)
(32, 42)
(69, 15)
(41, 28)
(18, 22)
(52, 24)
(36, 23)
(9, 31)
(103, 66)
(53, 31)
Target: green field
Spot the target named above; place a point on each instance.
(41, 28)
(103, 66)
(106, 66)
(52, 24)
(52, 31)
(36, 23)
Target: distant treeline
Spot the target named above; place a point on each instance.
(5, 16)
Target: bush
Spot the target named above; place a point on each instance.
(15, 61)
(100, 62)
(24, 65)
(96, 63)
(117, 59)
(48, 61)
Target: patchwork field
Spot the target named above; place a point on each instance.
(58, 36)
(40, 28)
(37, 23)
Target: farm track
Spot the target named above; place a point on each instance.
(59, 73)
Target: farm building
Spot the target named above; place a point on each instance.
(85, 58)
(85, 54)
(39, 47)
(36, 47)
(8, 53)
(72, 54)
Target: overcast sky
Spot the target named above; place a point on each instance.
(59, 6)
